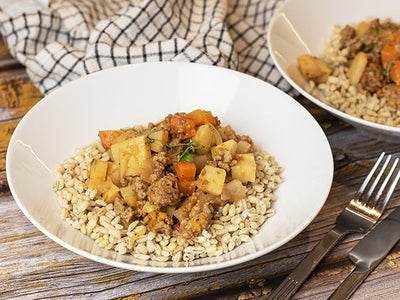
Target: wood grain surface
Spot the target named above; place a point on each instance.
(34, 267)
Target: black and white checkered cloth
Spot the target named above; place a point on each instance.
(70, 38)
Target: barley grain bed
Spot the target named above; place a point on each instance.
(230, 226)
(351, 99)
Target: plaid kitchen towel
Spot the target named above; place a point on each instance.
(61, 40)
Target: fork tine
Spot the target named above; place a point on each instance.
(391, 188)
(369, 176)
(376, 181)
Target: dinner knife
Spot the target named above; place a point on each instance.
(369, 252)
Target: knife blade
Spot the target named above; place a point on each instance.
(369, 252)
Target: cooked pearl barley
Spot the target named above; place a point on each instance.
(231, 225)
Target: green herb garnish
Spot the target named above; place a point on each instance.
(150, 139)
(185, 154)
(390, 64)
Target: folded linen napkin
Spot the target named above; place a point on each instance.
(66, 39)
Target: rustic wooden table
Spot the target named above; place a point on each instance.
(34, 267)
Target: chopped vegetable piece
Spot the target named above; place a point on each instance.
(187, 187)
(245, 168)
(230, 146)
(185, 170)
(391, 50)
(107, 137)
(211, 180)
(395, 72)
(313, 68)
(183, 125)
(98, 173)
(357, 67)
(200, 117)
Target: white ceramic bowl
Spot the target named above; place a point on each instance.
(301, 26)
(71, 116)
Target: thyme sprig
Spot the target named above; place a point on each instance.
(185, 154)
(390, 64)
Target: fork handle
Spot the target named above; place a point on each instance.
(297, 277)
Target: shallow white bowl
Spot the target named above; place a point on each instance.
(301, 26)
(71, 116)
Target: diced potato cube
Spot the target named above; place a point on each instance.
(113, 172)
(183, 211)
(233, 191)
(216, 135)
(129, 195)
(109, 191)
(313, 68)
(133, 156)
(229, 145)
(206, 136)
(245, 169)
(123, 163)
(357, 67)
(158, 136)
(243, 147)
(211, 180)
(98, 173)
(362, 28)
(110, 195)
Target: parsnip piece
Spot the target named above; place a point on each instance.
(133, 157)
(245, 169)
(357, 67)
(362, 28)
(98, 173)
(110, 191)
(211, 180)
(113, 172)
(243, 147)
(233, 191)
(217, 139)
(157, 145)
(229, 145)
(129, 195)
(206, 136)
(313, 68)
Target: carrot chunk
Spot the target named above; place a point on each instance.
(200, 117)
(185, 170)
(395, 72)
(183, 125)
(107, 137)
(187, 187)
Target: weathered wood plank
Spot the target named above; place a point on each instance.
(17, 96)
(6, 60)
(31, 273)
(34, 267)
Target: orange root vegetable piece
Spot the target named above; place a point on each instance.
(395, 72)
(200, 117)
(187, 187)
(388, 53)
(183, 125)
(185, 170)
(391, 51)
(107, 137)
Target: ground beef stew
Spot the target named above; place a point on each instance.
(159, 191)
(359, 71)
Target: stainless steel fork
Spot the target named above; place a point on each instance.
(359, 216)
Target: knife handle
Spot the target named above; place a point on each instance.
(296, 278)
(350, 284)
